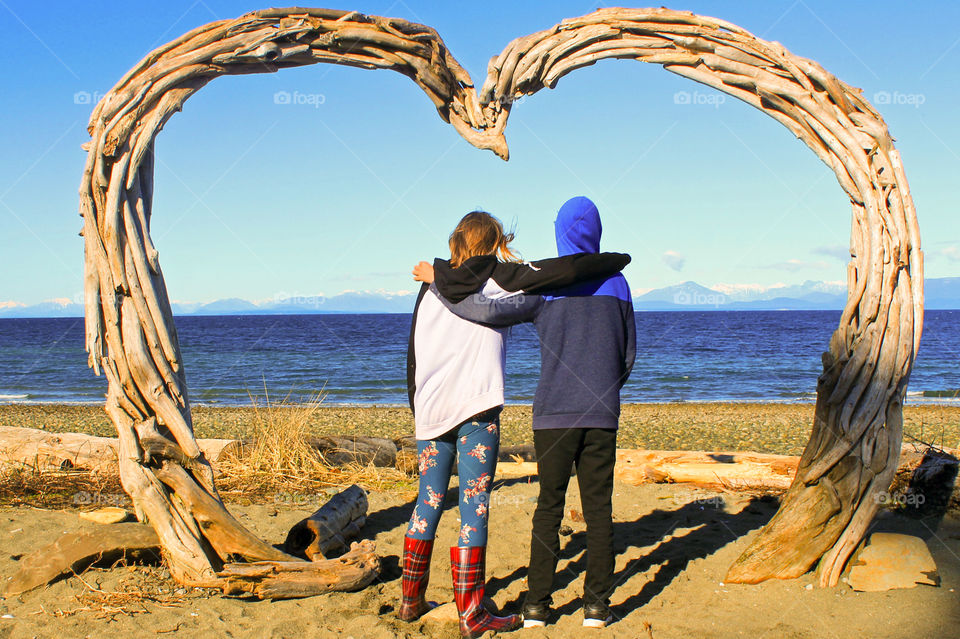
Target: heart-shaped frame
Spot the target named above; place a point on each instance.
(855, 442)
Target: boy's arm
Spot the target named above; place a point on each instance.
(541, 276)
(496, 313)
(630, 352)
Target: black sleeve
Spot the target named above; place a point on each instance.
(555, 273)
(497, 313)
(411, 352)
(458, 283)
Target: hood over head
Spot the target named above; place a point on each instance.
(578, 230)
(578, 227)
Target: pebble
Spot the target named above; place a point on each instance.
(108, 515)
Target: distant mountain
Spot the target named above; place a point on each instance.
(49, 308)
(823, 291)
(230, 306)
(692, 296)
(681, 297)
(940, 293)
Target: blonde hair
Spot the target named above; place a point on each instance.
(480, 233)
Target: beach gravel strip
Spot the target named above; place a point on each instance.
(760, 427)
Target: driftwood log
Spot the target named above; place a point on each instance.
(290, 579)
(331, 528)
(916, 471)
(727, 470)
(131, 338)
(74, 552)
(338, 450)
(45, 450)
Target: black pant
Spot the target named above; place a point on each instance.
(594, 451)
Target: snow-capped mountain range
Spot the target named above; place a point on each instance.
(940, 293)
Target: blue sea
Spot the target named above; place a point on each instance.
(748, 356)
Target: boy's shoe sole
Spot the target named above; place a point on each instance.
(533, 623)
(597, 623)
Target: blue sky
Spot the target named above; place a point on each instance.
(357, 178)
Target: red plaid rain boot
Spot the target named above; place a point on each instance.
(416, 574)
(468, 567)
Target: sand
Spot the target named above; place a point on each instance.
(673, 546)
(673, 543)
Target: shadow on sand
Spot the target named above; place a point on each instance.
(709, 527)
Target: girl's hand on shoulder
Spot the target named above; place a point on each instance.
(423, 272)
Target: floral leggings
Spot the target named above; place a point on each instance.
(475, 443)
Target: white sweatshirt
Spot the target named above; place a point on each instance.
(459, 365)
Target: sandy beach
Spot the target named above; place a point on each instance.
(673, 544)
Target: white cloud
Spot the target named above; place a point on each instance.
(838, 251)
(952, 253)
(11, 304)
(674, 260)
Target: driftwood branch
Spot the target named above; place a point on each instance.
(286, 580)
(74, 552)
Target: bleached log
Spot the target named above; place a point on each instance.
(45, 450)
(331, 528)
(727, 470)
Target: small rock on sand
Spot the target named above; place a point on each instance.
(893, 561)
(108, 515)
(446, 613)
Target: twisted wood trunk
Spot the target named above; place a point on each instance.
(130, 334)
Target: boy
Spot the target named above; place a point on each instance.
(587, 350)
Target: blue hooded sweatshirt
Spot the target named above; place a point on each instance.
(587, 335)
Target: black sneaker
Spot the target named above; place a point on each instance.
(535, 615)
(597, 615)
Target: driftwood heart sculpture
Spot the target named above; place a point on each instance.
(130, 335)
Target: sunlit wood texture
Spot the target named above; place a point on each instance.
(856, 434)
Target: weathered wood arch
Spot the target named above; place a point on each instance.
(130, 335)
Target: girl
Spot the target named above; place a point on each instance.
(455, 372)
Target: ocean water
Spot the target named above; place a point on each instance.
(748, 356)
